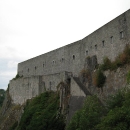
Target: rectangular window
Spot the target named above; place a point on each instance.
(73, 57)
(111, 38)
(103, 43)
(87, 52)
(95, 47)
(121, 34)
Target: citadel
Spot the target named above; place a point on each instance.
(63, 65)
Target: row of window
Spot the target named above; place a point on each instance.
(73, 56)
(111, 41)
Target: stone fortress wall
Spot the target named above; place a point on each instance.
(46, 71)
(108, 40)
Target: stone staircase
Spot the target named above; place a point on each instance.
(82, 87)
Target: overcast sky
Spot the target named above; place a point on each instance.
(32, 27)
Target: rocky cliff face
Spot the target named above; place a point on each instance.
(10, 113)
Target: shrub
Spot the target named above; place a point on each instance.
(98, 78)
(106, 64)
(41, 113)
(118, 115)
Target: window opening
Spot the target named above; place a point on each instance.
(95, 47)
(111, 39)
(87, 52)
(73, 57)
(121, 34)
(103, 43)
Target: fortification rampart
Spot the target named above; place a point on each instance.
(25, 88)
(108, 40)
(46, 71)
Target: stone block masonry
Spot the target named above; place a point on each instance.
(108, 40)
(24, 88)
(46, 71)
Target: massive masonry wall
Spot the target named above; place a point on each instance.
(108, 40)
(25, 88)
(50, 82)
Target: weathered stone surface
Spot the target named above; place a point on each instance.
(46, 71)
(108, 40)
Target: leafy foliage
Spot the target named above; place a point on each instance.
(89, 116)
(41, 113)
(106, 64)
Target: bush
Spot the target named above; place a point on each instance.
(106, 64)
(118, 115)
(41, 113)
(98, 79)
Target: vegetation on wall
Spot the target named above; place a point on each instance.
(42, 113)
(17, 76)
(123, 58)
(120, 60)
(99, 78)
